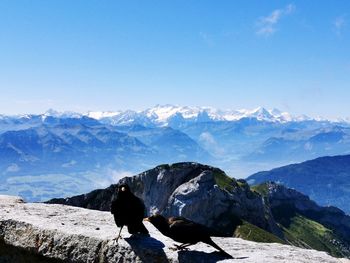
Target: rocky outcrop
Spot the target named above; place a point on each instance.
(266, 213)
(281, 197)
(32, 232)
(325, 180)
(191, 190)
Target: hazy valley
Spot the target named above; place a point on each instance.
(61, 154)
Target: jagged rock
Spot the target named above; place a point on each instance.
(204, 194)
(190, 190)
(332, 217)
(56, 233)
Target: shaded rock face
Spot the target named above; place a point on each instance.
(98, 199)
(279, 196)
(10, 254)
(202, 200)
(191, 190)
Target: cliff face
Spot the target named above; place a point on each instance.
(191, 190)
(306, 224)
(280, 197)
(58, 233)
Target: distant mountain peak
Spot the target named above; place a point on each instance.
(260, 113)
(51, 112)
(163, 115)
(102, 114)
(59, 114)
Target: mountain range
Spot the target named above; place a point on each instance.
(325, 179)
(60, 154)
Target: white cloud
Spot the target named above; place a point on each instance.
(13, 168)
(116, 175)
(289, 9)
(266, 26)
(109, 176)
(266, 31)
(210, 144)
(339, 23)
(272, 18)
(69, 164)
(207, 138)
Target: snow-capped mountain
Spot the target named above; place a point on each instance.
(68, 150)
(165, 115)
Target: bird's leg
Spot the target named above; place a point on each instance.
(181, 247)
(119, 236)
(184, 246)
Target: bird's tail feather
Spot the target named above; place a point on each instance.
(213, 244)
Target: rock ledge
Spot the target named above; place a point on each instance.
(32, 232)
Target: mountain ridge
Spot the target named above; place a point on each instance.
(161, 114)
(324, 179)
(267, 213)
(70, 147)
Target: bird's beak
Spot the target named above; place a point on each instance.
(147, 219)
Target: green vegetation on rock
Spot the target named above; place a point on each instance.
(304, 232)
(224, 181)
(261, 189)
(251, 232)
(163, 166)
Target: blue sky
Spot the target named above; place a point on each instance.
(110, 55)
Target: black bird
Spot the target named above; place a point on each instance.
(128, 210)
(184, 231)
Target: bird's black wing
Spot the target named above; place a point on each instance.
(181, 221)
(186, 231)
(142, 208)
(115, 206)
(117, 209)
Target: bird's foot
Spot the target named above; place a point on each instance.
(178, 247)
(117, 238)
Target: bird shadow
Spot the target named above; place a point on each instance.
(147, 248)
(187, 256)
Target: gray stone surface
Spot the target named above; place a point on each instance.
(72, 234)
